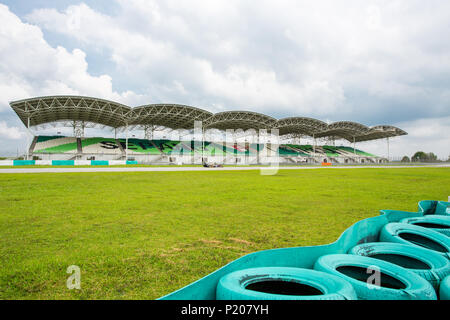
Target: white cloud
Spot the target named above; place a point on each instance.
(428, 135)
(29, 66)
(186, 61)
(13, 133)
(292, 57)
(374, 62)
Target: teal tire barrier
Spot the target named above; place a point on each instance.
(429, 207)
(365, 231)
(428, 264)
(416, 236)
(99, 163)
(63, 162)
(282, 283)
(444, 289)
(24, 162)
(439, 223)
(395, 282)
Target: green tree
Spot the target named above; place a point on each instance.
(419, 156)
(406, 159)
(431, 156)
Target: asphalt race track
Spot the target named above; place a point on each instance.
(175, 168)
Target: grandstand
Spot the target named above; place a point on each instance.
(68, 148)
(255, 138)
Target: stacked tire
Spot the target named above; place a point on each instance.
(410, 261)
(444, 289)
(436, 223)
(416, 236)
(283, 283)
(374, 279)
(428, 264)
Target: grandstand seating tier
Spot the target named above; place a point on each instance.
(358, 152)
(99, 145)
(55, 144)
(139, 146)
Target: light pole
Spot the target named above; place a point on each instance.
(387, 139)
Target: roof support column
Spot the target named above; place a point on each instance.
(314, 146)
(148, 132)
(235, 146)
(28, 138)
(258, 146)
(387, 139)
(203, 145)
(78, 129)
(126, 142)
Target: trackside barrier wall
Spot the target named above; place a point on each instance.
(65, 162)
(43, 162)
(82, 162)
(24, 162)
(364, 231)
(99, 163)
(6, 162)
(117, 162)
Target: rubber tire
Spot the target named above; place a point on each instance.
(436, 219)
(233, 285)
(416, 287)
(391, 233)
(439, 266)
(442, 208)
(444, 289)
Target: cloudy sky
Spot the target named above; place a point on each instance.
(374, 62)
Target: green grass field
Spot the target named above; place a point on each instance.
(142, 235)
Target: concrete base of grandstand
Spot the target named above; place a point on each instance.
(56, 159)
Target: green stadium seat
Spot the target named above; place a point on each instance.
(55, 144)
(100, 146)
(140, 146)
(358, 152)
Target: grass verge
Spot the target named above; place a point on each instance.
(141, 235)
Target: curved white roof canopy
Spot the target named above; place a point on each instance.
(67, 110)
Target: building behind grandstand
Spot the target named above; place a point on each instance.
(197, 135)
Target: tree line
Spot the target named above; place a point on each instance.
(421, 156)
